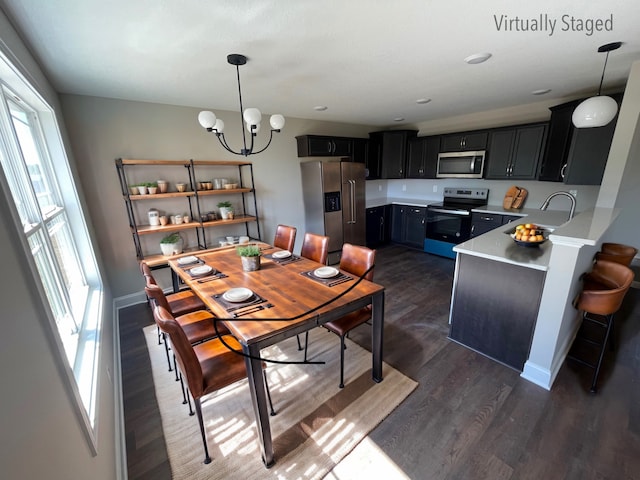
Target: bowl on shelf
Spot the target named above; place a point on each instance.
(230, 186)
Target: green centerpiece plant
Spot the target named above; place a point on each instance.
(250, 256)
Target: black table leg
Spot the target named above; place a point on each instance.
(377, 330)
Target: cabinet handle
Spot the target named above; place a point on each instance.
(473, 228)
(564, 168)
(330, 146)
(352, 191)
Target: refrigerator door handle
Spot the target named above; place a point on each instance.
(352, 194)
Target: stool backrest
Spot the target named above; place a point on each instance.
(612, 281)
(616, 252)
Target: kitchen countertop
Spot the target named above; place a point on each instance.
(498, 245)
(412, 202)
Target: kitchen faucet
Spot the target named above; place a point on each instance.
(545, 204)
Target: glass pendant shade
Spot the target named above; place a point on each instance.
(277, 121)
(219, 126)
(595, 112)
(252, 116)
(207, 119)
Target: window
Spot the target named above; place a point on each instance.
(37, 177)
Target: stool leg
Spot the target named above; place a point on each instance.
(609, 318)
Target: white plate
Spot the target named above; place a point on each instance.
(201, 270)
(282, 254)
(237, 294)
(187, 260)
(326, 272)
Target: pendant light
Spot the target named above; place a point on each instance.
(597, 111)
(251, 116)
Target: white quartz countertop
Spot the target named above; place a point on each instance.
(586, 228)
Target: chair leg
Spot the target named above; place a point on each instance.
(159, 334)
(207, 458)
(299, 345)
(266, 385)
(166, 350)
(609, 318)
(306, 344)
(342, 361)
(175, 367)
(184, 393)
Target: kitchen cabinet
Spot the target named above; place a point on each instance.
(422, 157)
(359, 150)
(482, 222)
(378, 228)
(323, 146)
(408, 225)
(496, 317)
(459, 142)
(514, 153)
(575, 156)
(196, 201)
(389, 152)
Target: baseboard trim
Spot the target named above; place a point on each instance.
(536, 374)
(129, 300)
(121, 440)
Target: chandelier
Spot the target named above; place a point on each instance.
(250, 116)
(597, 111)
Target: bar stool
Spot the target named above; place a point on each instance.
(617, 252)
(603, 290)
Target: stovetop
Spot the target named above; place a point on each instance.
(463, 198)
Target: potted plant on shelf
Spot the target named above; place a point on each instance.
(172, 244)
(250, 256)
(142, 188)
(226, 210)
(152, 187)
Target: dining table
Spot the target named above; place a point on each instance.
(289, 295)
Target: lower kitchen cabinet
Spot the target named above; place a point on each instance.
(378, 225)
(408, 225)
(497, 317)
(484, 222)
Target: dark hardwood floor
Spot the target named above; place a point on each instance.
(470, 417)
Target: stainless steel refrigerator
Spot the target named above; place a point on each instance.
(334, 203)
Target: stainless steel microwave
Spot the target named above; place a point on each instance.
(461, 164)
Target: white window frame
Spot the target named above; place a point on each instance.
(82, 370)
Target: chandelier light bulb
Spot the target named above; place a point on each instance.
(207, 119)
(277, 121)
(219, 126)
(252, 116)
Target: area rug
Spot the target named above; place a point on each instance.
(316, 426)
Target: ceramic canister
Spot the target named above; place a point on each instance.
(154, 217)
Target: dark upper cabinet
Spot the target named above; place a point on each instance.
(320, 145)
(374, 158)
(514, 153)
(462, 141)
(359, 150)
(391, 151)
(576, 156)
(422, 157)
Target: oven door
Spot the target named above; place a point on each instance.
(451, 226)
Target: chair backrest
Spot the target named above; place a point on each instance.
(315, 247)
(605, 288)
(146, 273)
(356, 260)
(285, 237)
(616, 252)
(155, 293)
(185, 355)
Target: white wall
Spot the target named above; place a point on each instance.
(41, 434)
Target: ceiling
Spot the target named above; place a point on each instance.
(367, 61)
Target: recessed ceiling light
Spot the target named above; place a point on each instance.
(477, 58)
(320, 108)
(422, 101)
(398, 119)
(542, 91)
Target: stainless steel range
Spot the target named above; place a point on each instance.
(449, 222)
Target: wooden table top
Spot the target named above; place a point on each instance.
(291, 293)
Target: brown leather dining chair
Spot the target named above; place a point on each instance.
(207, 366)
(198, 325)
(315, 247)
(285, 237)
(604, 288)
(181, 302)
(355, 260)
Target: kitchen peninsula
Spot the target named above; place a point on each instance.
(514, 303)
